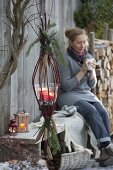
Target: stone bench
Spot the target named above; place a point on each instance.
(76, 138)
(30, 136)
(76, 132)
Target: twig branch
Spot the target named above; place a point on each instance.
(17, 41)
(32, 27)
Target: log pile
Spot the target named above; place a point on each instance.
(104, 71)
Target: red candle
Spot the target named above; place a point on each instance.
(51, 96)
(46, 95)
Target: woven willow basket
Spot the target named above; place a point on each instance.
(74, 160)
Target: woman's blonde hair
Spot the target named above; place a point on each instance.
(72, 33)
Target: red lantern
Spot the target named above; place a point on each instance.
(12, 126)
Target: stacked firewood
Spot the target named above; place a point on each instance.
(104, 71)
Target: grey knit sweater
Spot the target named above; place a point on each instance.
(72, 90)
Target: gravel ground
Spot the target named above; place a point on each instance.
(93, 165)
(23, 165)
(13, 151)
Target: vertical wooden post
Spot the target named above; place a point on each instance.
(92, 43)
(92, 51)
(110, 34)
(1, 118)
(42, 6)
(106, 30)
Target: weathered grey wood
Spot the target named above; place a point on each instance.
(92, 50)
(22, 96)
(14, 94)
(24, 93)
(5, 91)
(106, 30)
(110, 34)
(92, 43)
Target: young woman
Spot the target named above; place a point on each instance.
(78, 77)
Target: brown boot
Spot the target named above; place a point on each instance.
(103, 155)
(107, 162)
(109, 149)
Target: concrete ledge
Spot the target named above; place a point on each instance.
(30, 136)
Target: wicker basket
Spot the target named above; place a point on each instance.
(75, 160)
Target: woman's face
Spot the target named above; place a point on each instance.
(80, 43)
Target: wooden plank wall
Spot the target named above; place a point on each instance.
(22, 96)
(5, 91)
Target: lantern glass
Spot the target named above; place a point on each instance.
(22, 120)
(12, 127)
(46, 92)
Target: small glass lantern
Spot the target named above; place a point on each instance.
(12, 126)
(22, 120)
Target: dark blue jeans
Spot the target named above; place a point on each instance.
(97, 118)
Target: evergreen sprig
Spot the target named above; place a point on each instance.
(53, 141)
(48, 41)
(48, 132)
(31, 46)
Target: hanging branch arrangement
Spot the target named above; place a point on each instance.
(46, 36)
(46, 82)
(17, 41)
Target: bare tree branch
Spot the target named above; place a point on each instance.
(18, 3)
(10, 19)
(30, 20)
(17, 41)
(32, 27)
(13, 2)
(24, 7)
(29, 6)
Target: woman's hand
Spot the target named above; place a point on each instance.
(90, 64)
(84, 67)
(93, 64)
